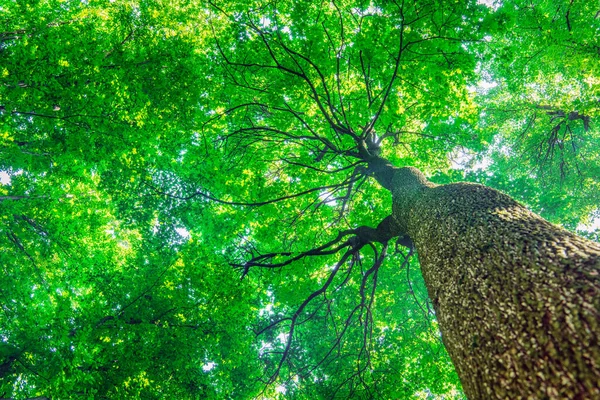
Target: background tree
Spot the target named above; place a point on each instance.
(149, 148)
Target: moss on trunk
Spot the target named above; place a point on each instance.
(517, 298)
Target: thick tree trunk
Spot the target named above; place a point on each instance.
(517, 298)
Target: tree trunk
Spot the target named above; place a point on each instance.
(517, 298)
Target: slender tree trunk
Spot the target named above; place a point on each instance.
(516, 297)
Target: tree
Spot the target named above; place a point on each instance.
(155, 148)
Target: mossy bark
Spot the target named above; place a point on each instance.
(516, 297)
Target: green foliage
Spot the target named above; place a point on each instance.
(135, 137)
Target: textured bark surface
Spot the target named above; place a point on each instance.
(517, 298)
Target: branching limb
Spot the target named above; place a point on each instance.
(198, 193)
(401, 48)
(361, 237)
(265, 260)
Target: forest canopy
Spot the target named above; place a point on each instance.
(183, 184)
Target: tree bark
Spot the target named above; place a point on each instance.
(517, 298)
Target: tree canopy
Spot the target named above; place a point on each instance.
(180, 181)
